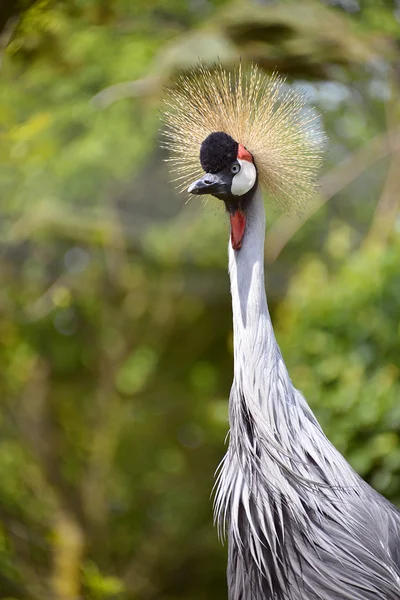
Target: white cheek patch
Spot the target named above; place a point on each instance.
(243, 181)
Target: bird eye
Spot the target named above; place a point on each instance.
(235, 168)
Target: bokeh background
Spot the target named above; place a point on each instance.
(115, 318)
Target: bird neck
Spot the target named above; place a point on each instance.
(253, 333)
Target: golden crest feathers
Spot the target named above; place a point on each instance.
(253, 109)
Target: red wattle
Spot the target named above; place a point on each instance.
(238, 225)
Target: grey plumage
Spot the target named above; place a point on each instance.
(302, 525)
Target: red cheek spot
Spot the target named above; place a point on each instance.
(244, 154)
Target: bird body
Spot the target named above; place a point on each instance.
(301, 524)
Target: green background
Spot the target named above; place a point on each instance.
(115, 318)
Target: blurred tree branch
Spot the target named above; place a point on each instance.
(387, 208)
(333, 182)
(10, 12)
(307, 40)
(68, 549)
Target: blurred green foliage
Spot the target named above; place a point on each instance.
(115, 320)
(345, 355)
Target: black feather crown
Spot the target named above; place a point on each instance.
(218, 150)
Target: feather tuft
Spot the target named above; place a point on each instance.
(254, 109)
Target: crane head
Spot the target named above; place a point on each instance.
(250, 130)
(230, 175)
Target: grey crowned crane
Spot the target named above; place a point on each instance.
(301, 524)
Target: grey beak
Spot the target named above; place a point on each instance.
(211, 183)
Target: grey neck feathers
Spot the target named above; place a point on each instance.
(280, 421)
(254, 339)
(301, 523)
(252, 324)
